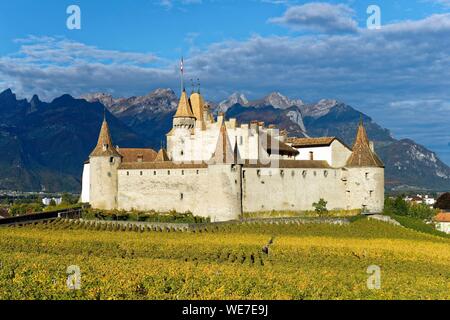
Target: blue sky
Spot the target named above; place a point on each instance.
(399, 74)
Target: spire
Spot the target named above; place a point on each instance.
(236, 154)
(104, 145)
(197, 104)
(362, 154)
(223, 153)
(162, 156)
(184, 107)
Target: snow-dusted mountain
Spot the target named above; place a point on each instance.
(277, 100)
(235, 98)
(408, 165)
(274, 99)
(159, 100)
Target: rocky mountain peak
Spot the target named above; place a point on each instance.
(280, 101)
(320, 108)
(235, 98)
(104, 98)
(8, 95)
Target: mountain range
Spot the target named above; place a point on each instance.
(44, 144)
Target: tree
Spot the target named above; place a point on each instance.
(320, 207)
(443, 202)
(396, 206)
(52, 203)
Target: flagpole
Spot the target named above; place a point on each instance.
(182, 74)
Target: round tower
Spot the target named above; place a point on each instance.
(184, 117)
(104, 163)
(365, 185)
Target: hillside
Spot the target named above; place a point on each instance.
(306, 261)
(44, 145)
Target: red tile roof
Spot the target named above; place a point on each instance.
(137, 155)
(443, 217)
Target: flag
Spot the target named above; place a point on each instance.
(182, 65)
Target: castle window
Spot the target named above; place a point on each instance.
(182, 152)
(311, 155)
(128, 173)
(367, 176)
(141, 173)
(182, 172)
(140, 158)
(304, 173)
(315, 173)
(198, 172)
(258, 173)
(168, 172)
(181, 196)
(292, 173)
(154, 173)
(371, 193)
(325, 173)
(111, 160)
(243, 174)
(282, 173)
(105, 147)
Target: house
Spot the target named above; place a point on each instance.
(46, 201)
(442, 221)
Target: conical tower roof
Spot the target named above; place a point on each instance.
(197, 104)
(162, 156)
(362, 155)
(104, 145)
(224, 152)
(184, 107)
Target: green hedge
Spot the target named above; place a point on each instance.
(144, 216)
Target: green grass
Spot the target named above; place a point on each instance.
(306, 214)
(419, 225)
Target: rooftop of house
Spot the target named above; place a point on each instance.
(442, 217)
(137, 155)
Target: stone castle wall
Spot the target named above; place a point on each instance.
(207, 192)
(103, 182)
(296, 189)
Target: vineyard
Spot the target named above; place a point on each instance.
(225, 261)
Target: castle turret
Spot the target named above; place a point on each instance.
(363, 154)
(184, 117)
(225, 169)
(104, 161)
(198, 104)
(365, 186)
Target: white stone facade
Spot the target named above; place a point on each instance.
(258, 176)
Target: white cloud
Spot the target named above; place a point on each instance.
(169, 4)
(400, 74)
(319, 16)
(53, 66)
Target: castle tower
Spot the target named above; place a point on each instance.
(365, 185)
(223, 153)
(184, 117)
(162, 156)
(198, 104)
(104, 161)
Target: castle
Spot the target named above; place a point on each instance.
(218, 168)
